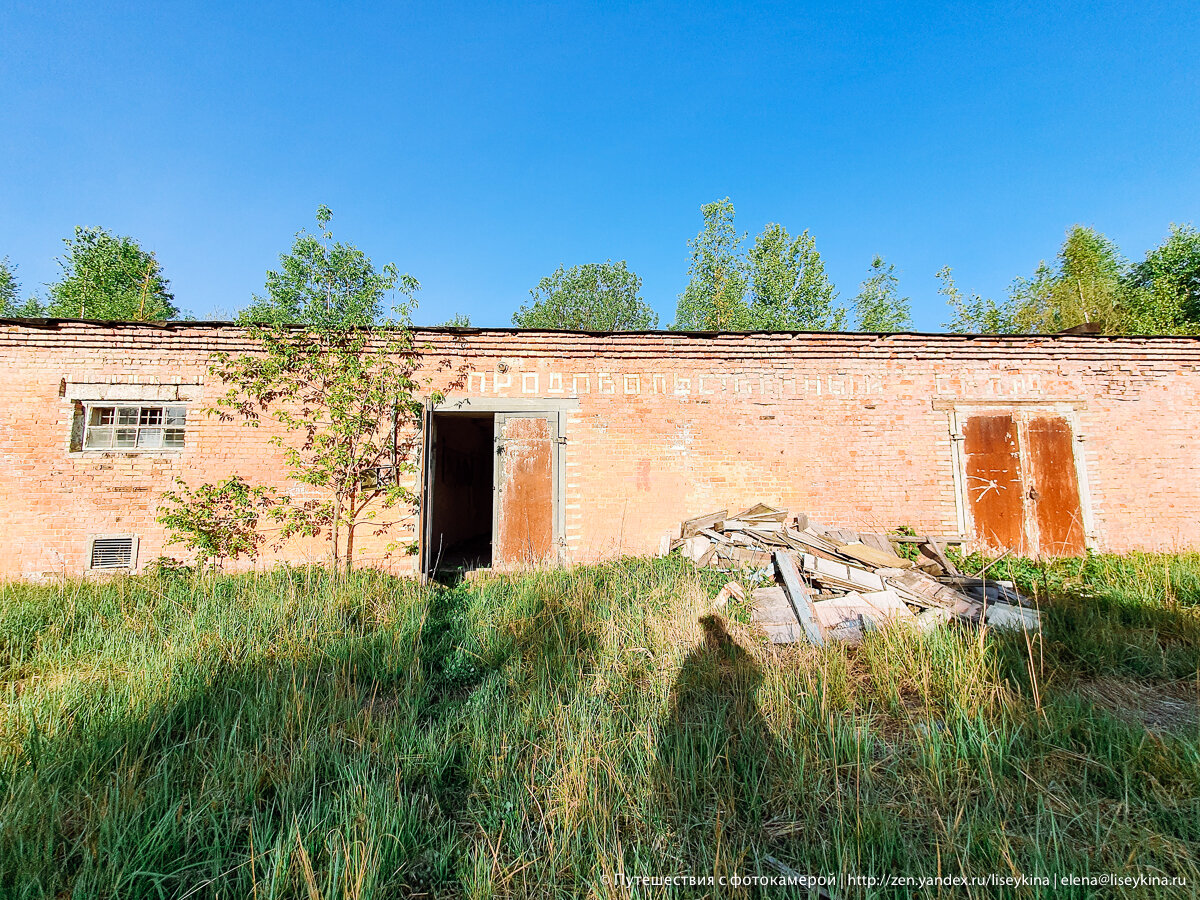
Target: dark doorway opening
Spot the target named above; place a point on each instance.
(460, 524)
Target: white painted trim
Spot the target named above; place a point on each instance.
(958, 467)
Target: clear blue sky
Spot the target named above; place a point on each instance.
(480, 146)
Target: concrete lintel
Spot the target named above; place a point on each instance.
(168, 393)
(506, 404)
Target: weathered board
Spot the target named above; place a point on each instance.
(771, 610)
(919, 588)
(799, 596)
(873, 556)
(695, 526)
(841, 575)
(845, 616)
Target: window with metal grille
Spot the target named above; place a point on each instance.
(134, 427)
(117, 551)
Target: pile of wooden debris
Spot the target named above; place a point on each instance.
(837, 584)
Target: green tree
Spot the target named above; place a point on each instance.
(217, 522)
(879, 306)
(108, 276)
(458, 320)
(9, 287)
(1030, 300)
(715, 297)
(327, 283)
(591, 297)
(11, 304)
(1163, 290)
(789, 288)
(342, 388)
(348, 397)
(974, 314)
(1088, 287)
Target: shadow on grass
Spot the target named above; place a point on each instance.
(350, 759)
(716, 751)
(1107, 615)
(1107, 634)
(369, 754)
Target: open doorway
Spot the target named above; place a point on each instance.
(492, 497)
(460, 489)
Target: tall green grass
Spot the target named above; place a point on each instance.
(300, 734)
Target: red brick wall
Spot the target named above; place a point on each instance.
(853, 429)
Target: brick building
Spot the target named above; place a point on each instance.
(582, 446)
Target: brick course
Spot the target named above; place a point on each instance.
(854, 429)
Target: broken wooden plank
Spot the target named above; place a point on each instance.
(880, 608)
(888, 603)
(799, 595)
(922, 590)
(811, 543)
(764, 513)
(744, 525)
(692, 527)
(743, 554)
(771, 539)
(770, 610)
(878, 541)
(731, 590)
(936, 549)
(838, 574)
(841, 536)
(696, 547)
(874, 557)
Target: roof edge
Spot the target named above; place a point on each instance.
(179, 325)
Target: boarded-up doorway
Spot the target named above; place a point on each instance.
(1021, 483)
(490, 490)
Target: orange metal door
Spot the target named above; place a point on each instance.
(1022, 486)
(1053, 491)
(993, 485)
(524, 532)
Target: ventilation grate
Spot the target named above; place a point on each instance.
(112, 552)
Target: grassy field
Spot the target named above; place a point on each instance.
(296, 734)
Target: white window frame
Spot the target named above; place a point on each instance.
(133, 427)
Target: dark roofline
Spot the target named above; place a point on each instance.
(179, 325)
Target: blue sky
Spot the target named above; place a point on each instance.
(480, 146)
